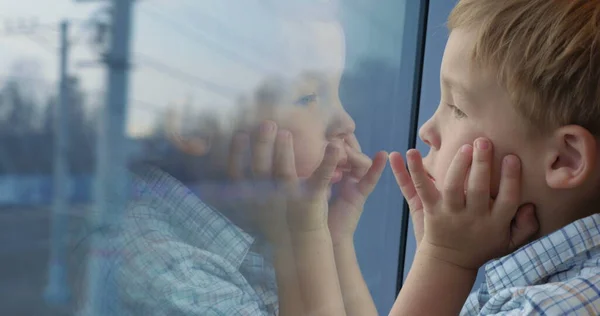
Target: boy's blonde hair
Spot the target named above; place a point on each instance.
(546, 54)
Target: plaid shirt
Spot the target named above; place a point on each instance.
(181, 257)
(556, 275)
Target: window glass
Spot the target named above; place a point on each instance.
(119, 191)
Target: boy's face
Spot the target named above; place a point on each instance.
(307, 102)
(473, 105)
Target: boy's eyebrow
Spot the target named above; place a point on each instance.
(313, 79)
(454, 84)
(315, 76)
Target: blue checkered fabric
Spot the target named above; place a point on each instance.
(178, 256)
(556, 275)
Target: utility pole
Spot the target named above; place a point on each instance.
(57, 290)
(112, 181)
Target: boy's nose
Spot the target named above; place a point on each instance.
(342, 124)
(428, 134)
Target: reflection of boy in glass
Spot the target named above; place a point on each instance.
(181, 255)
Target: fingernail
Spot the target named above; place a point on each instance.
(511, 162)
(483, 144)
(465, 148)
(267, 127)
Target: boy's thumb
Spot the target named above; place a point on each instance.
(524, 226)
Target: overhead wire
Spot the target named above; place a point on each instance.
(194, 35)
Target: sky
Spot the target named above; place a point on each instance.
(183, 51)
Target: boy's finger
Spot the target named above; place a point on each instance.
(478, 187)
(423, 184)
(405, 182)
(454, 185)
(509, 194)
(285, 164)
(524, 226)
(262, 149)
(321, 179)
(353, 142)
(235, 163)
(367, 184)
(358, 162)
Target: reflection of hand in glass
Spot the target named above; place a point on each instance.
(293, 217)
(311, 228)
(361, 176)
(197, 144)
(260, 200)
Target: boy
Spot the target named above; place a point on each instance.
(524, 75)
(521, 76)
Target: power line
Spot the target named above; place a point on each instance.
(213, 45)
(34, 26)
(42, 42)
(35, 36)
(225, 29)
(148, 61)
(185, 77)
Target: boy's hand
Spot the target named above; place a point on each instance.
(410, 194)
(362, 177)
(462, 224)
(262, 201)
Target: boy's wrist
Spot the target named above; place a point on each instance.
(342, 241)
(432, 275)
(312, 237)
(445, 258)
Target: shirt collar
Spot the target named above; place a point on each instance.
(537, 261)
(203, 226)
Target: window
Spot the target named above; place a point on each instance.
(112, 111)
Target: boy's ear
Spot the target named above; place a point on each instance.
(571, 158)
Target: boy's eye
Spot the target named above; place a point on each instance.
(306, 100)
(457, 112)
